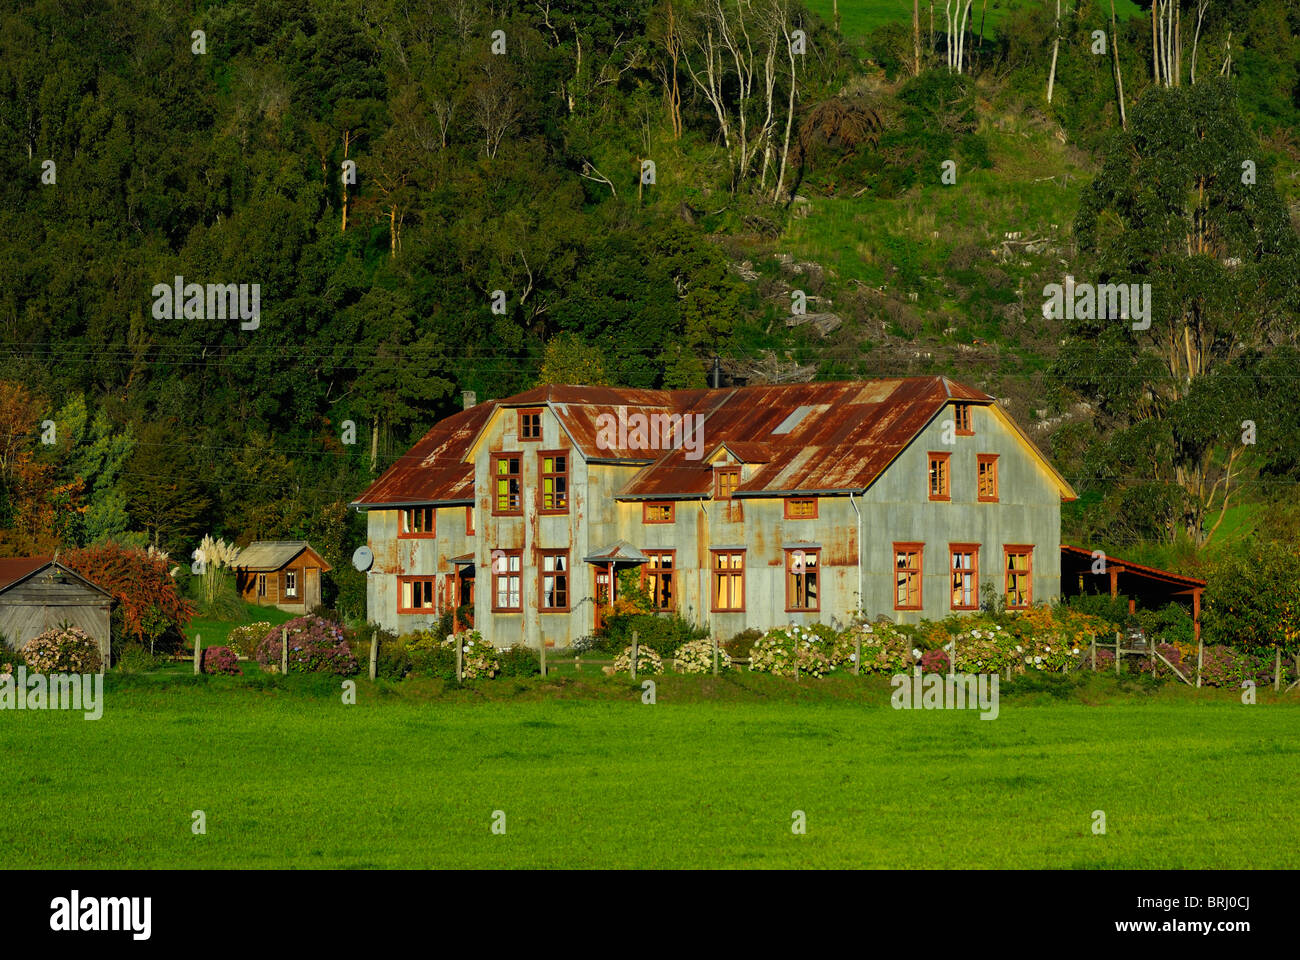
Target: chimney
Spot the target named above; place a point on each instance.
(469, 397)
(716, 376)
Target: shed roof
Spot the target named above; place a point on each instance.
(16, 570)
(271, 554)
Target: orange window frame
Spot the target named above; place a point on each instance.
(811, 567)
(940, 470)
(986, 477)
(973, 572)
(793, 512)
(428, 591)
(1017, 550)
(503, 570)
(530, 424)
(513, 495)
(654, 576)
(725, 482)
(561, 575)
(415, 523)
(553, 483)
(914, 574)
(961, 420)
(727, 567)
(650, 505)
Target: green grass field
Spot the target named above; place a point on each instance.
(859, 17)
(588, 776)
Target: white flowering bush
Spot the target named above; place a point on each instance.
(62, 650)
(478, 656)
(647, 661)
(885, 648)
(696, 656)
(781, 650)
(434, 655)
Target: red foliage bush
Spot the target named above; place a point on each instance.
(137, 581)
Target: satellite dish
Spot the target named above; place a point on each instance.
(362, 558)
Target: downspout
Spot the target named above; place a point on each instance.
(854, 505)
(706, 595)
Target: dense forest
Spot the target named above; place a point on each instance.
(434, 196)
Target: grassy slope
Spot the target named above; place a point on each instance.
(285, 778)
(860, 17)
(214, 631)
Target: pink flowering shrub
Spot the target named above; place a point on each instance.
(934, 661)
(62, 650)
(220, 660)
(316, 645)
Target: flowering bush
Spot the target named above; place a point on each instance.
(316, 645)
(244, 639)
(647, 661)
(1224, 667)
(696, 656)
(934, 661)
(62, 650)
(885, 648)
(220, 660)
(782, 650)
(433, 654)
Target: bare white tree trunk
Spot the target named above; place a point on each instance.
(1056, 49)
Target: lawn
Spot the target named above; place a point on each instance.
(214, 632)
(588, 776)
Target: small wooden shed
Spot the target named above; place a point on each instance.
(39, 594)
(280, 573)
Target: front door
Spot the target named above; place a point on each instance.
(602, 594)
(311, 588)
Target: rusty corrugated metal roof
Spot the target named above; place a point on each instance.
(834, 437)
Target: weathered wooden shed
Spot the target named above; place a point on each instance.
(39, 594)
(280, 573)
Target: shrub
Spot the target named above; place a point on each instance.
(138, 582)
(245, 638)
(519, 661)
(647, 661)
(220, 660)
(784, 650)
(739, 646)
(434, 655)
(1224, 667)
(315, 646)
(391, 659)
(886, 648)
(934, 661)
(62, 650)
(663, 633)
(136, 658)
(696, 656)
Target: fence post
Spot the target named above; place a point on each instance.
(635, 653)
(1277, 670)
(1117, 653)
(857, 652)
(198, 652)
(1094, 653)
(542, 641)
(1200, 657)
(284, 652)
(460, 652)
(796, 658)
(715, 653)
(374, 655)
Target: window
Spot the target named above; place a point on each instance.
(801, 591)
(261, 584)
(986, 475)
(530, 424)
(801, 508)
(965, 575)
(727, 481)
(555, 482)
(291, 583)
(961, 419)
(418, 522)
(507, 580)
(415, 594)
(1019, 576)
(465, 590)
(659, 577)
(728, 580)
(907, 576)
(555, 580)
(657, 512)
(469, 521)
(939, 488)
(506, 479)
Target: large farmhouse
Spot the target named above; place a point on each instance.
(737, 508)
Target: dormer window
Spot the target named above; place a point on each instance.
(530, 424)
(961, 419)
(726, 482)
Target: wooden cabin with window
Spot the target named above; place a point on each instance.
(280, 573)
